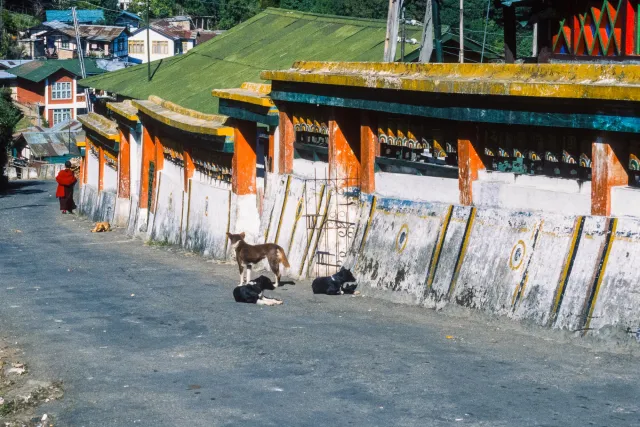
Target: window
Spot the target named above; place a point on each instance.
(61, 115)
(185, 46)
(136, 46)
(160, 48)
(121, 45)
(61, 90)
(65, 43)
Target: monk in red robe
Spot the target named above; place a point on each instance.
(66, 180)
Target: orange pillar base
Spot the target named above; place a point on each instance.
(368, 151)
(344, 143)
(244, 158)
(285, 161)
(606, 172)
(469, 163)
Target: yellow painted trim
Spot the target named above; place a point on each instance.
(100, 125)
(284, 206)
(565, 269)
(374, 204)
(81, 144)
(603, 268)
(295, 224)
(463, 251)
(564, 81)
(438, 249)
(184, 119)
(401, 249)
(250, 93)
(124, 109)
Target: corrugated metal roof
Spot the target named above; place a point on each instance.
(84, 15)
(6, 76)
(36, 71)
(273, 39)
(11, 63)
(51, 144)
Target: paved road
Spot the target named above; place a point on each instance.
(150, 336)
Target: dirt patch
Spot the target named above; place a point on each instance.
(20, 392)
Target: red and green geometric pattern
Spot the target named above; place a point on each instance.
(598, 28)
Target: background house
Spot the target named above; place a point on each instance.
(166, 41)
(49, 87)
(58, 40)
(129, 20)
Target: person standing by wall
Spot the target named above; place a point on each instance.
(66, 180)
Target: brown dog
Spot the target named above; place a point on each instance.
(248, 255)
(101, 226)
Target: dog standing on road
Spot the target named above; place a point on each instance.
(247, 255)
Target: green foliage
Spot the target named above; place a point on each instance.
(10, 115)
(234, 12)
(157, 8)
(13, 23)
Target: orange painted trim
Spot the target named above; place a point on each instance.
(85, 162)
(344, 143)
(159, 161)
(101, 162)
(469, 164)
(189, 167)
(287, 136)
(606, 172)
(124, 164)
(244, 158)
(368, 151)
(271, 150)
(148, 155)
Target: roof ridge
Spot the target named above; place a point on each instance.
(322, 16)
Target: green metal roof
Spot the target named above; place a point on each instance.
(36, 71)
(271, 40)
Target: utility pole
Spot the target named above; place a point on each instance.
(461, 31)
(391, 39)
(426, 47)
(83, 70)
(403, 37)
(148, 47)
(437, 29)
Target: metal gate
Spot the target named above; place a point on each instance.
(331, 212)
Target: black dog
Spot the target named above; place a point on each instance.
(252, 293)
(336, 284)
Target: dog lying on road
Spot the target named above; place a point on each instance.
(252, 292)
(336, 284)
(247, 255)
(101, 226)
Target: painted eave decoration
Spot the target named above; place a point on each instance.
(620, 82)
(124, 109)
(183, 118)
(251, 93)
(100, 125)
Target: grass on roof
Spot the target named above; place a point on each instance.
(273, 39)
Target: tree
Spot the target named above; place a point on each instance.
(10, 115)
(110, 11)
(157, 8)
(234, 12)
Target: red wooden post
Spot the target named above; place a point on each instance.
(244, 157)
(607, 171)
(469, 163)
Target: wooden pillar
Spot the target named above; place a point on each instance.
(159, 163)
(368, 152)
(85, 169)
(344, 147)
(510, 40)
(189, 167)
(124, 164)
(100, 168)
(287, 135)
(271, 150)
(148, 156)
(469, 163)
(607, 171)
(244, 158)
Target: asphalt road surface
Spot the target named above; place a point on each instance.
(150, 336)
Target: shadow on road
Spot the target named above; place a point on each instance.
(21, 187)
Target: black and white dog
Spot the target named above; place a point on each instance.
(336, 284)
(252, 292)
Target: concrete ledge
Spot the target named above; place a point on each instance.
(101, 125)
(124, 109)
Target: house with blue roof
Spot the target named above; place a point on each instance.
(85, 16)
(129, 20)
